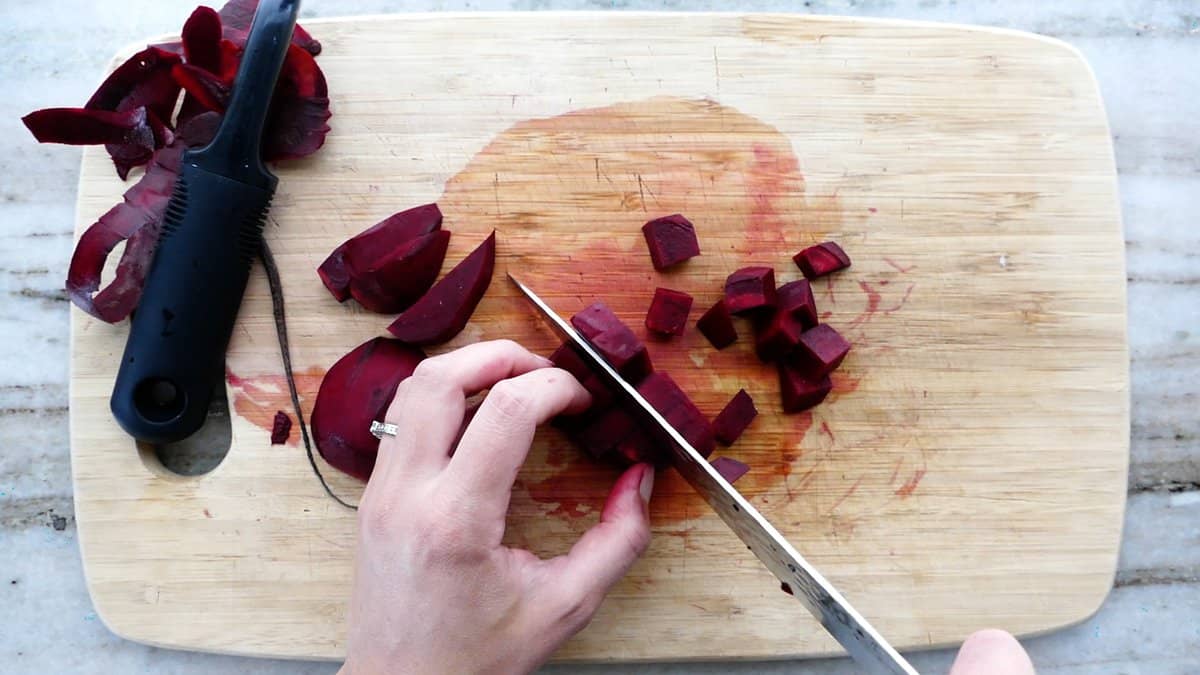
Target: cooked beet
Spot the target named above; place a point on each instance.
(640, 446)
(201, 39)
(444, 310)
(394, 282)
(671, 240)
(668, 312)
(821, 350)
(375, 243)
(796, 298)
(567, 358)
(281, 428)
(614, 340)
(355, 392)
(298, 120)
(817, 261)
(143, 80)
(674, 405)
(717, 326)
(237, 15)
(777, 337)
(734, 418)
(800, 391)
(600, 436)
(730, 469)
(206, 91)
(749, 289)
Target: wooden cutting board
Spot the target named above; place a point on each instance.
(969, 469)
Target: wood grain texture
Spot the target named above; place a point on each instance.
(970, 468)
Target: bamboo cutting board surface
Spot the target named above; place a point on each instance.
(969, 469)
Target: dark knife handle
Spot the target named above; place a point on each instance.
(175, 354)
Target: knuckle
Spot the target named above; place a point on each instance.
(510, 400)
(433, 368)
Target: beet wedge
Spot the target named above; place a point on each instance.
(393, 283)
(374, 243)
(730, 469)
(717, 326)
(356, 391)
(444, 310)
(734, 418)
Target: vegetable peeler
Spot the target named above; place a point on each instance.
(211, 232)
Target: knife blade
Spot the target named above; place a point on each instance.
(861, 641)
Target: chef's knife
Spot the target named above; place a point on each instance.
(175, 353)
(864, 644)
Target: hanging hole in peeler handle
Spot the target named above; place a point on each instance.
(159, 400)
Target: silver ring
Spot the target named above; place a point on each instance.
(381, 429)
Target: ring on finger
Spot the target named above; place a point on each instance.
(381, 429)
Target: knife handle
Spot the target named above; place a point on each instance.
(175, 353)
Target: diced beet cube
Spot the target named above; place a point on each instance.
(821, 350)
(567, 358)
(602, 393)
(671, 240)
(817, 261)
(796, 298)
(668, 311)
(734, 418)
(614, 340)
(602, 434)
(730, 469)
(674, 405)
(778, 336)
(750, 288)
(717, 326)
(799, 391)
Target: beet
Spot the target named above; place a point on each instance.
(674, 405)
(734, 418)
(817, 261)
(795, 312)
(297, 122)
(444, 310)
(143, 80)
(668, 312)
(749, 289)
(237, 15)
(820, 350)
(730, 469)
(201, 40)
(602, 434)
(356, 391)
(671, 240)
(717, 326)
(206, 91)
(567, 358)
(800, 391)
(375, 243)
(281, 428)
(640, 446)
(81, 126)
(394, 282)
(614, 340)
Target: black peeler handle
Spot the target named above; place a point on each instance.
(175, 354)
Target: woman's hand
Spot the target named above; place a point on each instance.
(434, 589)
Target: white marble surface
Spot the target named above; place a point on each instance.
(1147, 57)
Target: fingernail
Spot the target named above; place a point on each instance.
(646, 488)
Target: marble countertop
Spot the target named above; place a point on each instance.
(1146, 55)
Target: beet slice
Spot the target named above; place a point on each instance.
(733, 419)
(355, 392)
(717, 325)
(393, 283)
(668, 312)
(374, 243)
(799, 390)
(445, 309)
(671, 240)
(821, 350)
(730, 469)
(817, 261)
(143, 80)
(750, 289)
(614, 340)
(281, 428)
(674, 405)
(237, 15)
(205, 90)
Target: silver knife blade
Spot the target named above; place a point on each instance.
(862, 642)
